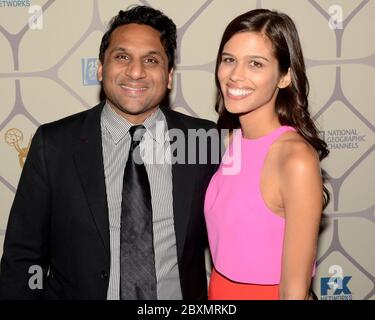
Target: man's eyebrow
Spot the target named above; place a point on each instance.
(118, 49)
(151, 52)
(155, 52)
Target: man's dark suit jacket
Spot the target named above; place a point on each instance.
(59, 218)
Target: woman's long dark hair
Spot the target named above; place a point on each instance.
(291, 103)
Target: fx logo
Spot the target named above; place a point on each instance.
(337, 283)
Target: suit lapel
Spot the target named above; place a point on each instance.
(182, 184)
(88, 158)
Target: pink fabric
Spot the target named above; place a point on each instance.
(246, 238)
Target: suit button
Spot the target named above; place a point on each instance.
(104, 275)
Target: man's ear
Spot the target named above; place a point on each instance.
(285, 80)
(100, 71)
(170, 79)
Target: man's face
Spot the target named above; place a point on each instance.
(135, 73)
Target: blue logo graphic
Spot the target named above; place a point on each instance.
(338, 284)
(335, 287)
(89, 72)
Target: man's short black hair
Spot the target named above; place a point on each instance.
(147, 16)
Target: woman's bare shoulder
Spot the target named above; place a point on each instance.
(295, 153)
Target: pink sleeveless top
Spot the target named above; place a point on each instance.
(245, 236)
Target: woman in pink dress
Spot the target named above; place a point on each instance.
(263, 210)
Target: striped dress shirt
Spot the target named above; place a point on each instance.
(154, 146)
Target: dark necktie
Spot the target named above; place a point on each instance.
(137, 262)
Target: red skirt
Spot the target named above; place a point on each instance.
(222, 288)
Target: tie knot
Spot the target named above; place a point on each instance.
(136, 133)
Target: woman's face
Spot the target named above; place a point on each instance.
(249, 73)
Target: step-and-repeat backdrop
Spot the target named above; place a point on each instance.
(48, 61)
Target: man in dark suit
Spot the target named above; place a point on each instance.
(65, 223)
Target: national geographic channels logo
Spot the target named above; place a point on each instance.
(343, 139)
